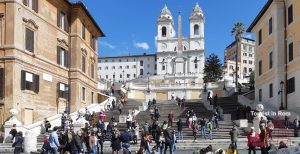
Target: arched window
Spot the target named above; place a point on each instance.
(164, 32)
(196, 30)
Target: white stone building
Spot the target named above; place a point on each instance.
(246, 59)
(125, 68)
(180, 55)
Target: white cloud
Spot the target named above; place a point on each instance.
(142, 45)
(248, 35)
(106, 44)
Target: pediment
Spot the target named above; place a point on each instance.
(31, 23)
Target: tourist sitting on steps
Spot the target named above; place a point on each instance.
(231, 149)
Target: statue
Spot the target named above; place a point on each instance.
(259, 115)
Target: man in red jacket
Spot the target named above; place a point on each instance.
(253, 139)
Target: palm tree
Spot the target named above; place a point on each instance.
(238, 31)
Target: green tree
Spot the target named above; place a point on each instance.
(213, 69)
(238, 31)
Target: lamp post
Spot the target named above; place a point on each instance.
(281, 94)
(148, 89)
(123, 75)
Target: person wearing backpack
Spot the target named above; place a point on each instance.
(18, 144)
(168, 140)
(209, 128)
(53, 140)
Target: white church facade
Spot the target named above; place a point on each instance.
(178, 58)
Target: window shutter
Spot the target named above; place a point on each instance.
(23, 73)
(58, 18)
(57, 89)
(66, 59)
(25, 2)
(36, 83)
(1, 82)
(35, 5)
(66, 28)
(58, 55)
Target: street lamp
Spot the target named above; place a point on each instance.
(148, 90)
(123, 75)
(281, 93)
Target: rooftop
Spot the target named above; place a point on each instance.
(128, 56)
(234, 42)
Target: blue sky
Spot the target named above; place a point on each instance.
(130, 25)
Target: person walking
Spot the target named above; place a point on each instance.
(263, 139)
(116, 142)
(179, 130)
(129, 120)
(209, 128)
(174, 141)
(170, 118)
(270, 128)
(53, 140)
(202, 126)
(195, 130)
(125, 139)
(18, 144)
(47, 125)
(156, 113)
(253, 138)
(234, 133)
(168, 141)
(93, 143)
(120, 106)
(13, 132)
(76, 143)
(216, 99)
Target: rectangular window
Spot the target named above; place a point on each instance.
(32, 4)
(270, 26)
(83, 93)
(83, 64)
(62, 57)
(250, 55)
(128, 76)
(245, 70)
(163, 67)
(83, 31)
(155, 66)
(93, 42)
(259, 37)
(134, 66)
(250, 48)
(92, 97)
(2, 83)
(30, 81)
(62, 90)
(62, 20)
(260, 67)
(291, 85)
(245, 61)
(270, 90)
(29, 40)
(141, 72)
(141, 63)
(270, 60)
(106, 76)
(134, 75)
(120, 75)
(260, 95)
(92, 70)
(250, 62)
(290, 14)
(291, 52)
(196, 66)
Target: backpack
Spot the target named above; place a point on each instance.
(209, 126)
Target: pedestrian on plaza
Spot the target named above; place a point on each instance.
(203, 126)
(13, 132)
(148, 141)
(53, 140)
(102, 115)
(112, 119)
(113, 103)
(47, 125)
(149, 104)
(125, 139)
(209, 128)
(100, 141)
(63, 118)
(129, 120)
(190, 121)
(231, 149)
(172, 96)
(62, 139)
(136, 130)
(253, 140)
(195, 130)
(234, 134)
(18, 144)
(146, 127)
(270, 128)
(154, 101)
(120, 106)
(156, 114)
(164, 125)
(93, 143)
(296, 122)
(160, 144)
(208, 96)
(154, 129)
(116, 142)
(263, 139)
(286, 121)
(179, 129)
(170, 118)
(46, 149)
(76, 143)
(216, 120)
(168, 141)
(174, 141)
